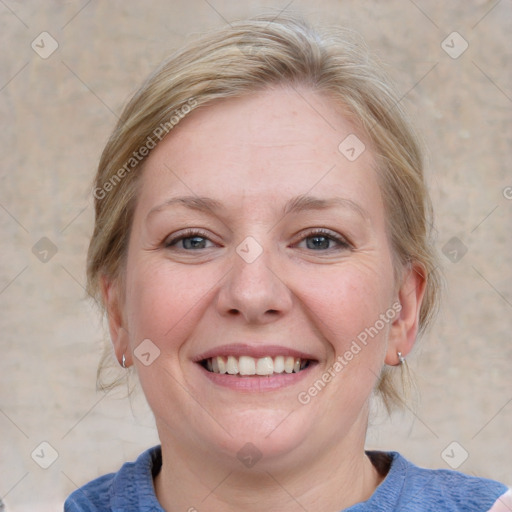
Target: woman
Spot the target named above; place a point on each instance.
(262, 252)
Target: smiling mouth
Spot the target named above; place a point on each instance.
(250, 366)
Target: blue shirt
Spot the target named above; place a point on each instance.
(406, 488)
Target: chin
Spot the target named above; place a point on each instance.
(263, 438)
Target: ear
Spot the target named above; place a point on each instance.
(118, 333)
(404, 328)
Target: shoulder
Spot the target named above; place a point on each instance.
(95, 495)
(127, 490)
(423, 489)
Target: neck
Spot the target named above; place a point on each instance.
(338, 479)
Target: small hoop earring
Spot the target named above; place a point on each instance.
(401, 359)
(123, 362)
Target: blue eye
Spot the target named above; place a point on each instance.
(194, 242)
(189, 241)
(323, 241)
(318, 242)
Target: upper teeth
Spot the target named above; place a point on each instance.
(246, 365)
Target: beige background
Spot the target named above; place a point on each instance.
(56, 115)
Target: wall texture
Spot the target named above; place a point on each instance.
(60, 94)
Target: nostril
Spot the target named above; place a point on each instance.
(234, 312)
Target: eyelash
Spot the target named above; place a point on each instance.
(188, 233)
(343, 243)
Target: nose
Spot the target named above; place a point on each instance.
(254, 291)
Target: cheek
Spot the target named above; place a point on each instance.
(164, 302)
(347, 301)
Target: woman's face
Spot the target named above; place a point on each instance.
(259, 249)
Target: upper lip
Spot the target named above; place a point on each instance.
(255, 351)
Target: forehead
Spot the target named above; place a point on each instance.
(272, 144)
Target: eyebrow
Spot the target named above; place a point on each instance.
(202, 204)
(296, 205)
(305, 203)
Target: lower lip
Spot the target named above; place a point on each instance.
(256, 383)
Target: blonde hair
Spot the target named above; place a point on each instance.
(238, 60)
